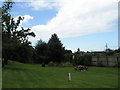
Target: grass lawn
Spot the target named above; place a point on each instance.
(18, 75)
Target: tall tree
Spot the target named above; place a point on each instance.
(12, 38)
(41, 51)
(6, 30)
(55, 49)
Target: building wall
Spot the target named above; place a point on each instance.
(106, 61)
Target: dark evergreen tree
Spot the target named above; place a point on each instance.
(55, 49)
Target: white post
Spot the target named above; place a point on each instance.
(69, 77)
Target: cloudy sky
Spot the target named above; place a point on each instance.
(84, 24)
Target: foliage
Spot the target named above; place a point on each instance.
(24, 54)
(65, 64)
(14, 42)
(68, 56)
(41, 47)
(41, 52)
(109, 52)
(51, 63)
(55, 49)
(83, 59)
(62, 64)
(117, 50)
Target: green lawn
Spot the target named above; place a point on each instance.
(18, 75)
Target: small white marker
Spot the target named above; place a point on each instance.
(69, 77)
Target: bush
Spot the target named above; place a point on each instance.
(83, 60)
(62, 64)
(51, 64)
(67, 64)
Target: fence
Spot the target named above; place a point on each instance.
(106, 61)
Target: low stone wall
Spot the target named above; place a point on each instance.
(106, 61)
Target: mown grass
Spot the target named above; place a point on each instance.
(18, 75)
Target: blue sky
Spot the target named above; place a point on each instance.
(78, 23)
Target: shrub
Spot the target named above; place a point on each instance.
(67, 64)
(83, 60)
(62, 64)
(51, 64)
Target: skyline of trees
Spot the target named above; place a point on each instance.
(17, 47)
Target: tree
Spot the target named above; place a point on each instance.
(41, 51)
(83, 59)
(55, 49)
(6, 29)
(12, 38)
(109, 51)
(24, 53)
(117, 50)
(78, 50)
(68, 56)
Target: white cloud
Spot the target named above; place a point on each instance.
(43, 4)
(25, 20)
(77, 18)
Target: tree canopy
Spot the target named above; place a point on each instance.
(12, 38)
(55, 49)
(41, 52)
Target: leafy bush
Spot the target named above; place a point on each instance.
(83, 60)
(65, 64)
(51, 64)
(62, 64)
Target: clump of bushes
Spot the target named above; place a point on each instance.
(65, 64)
(62, 64)
(83, 59)
(51, 64)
